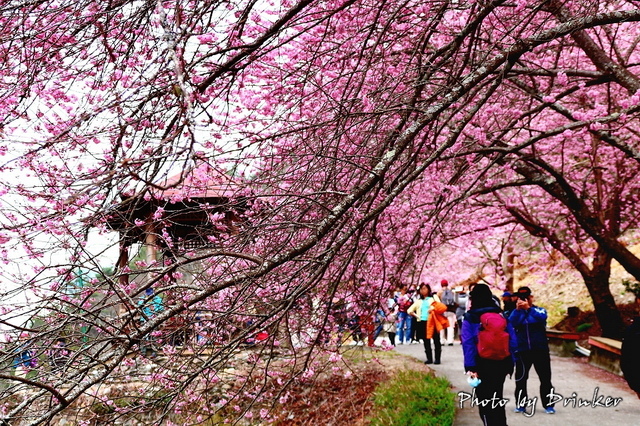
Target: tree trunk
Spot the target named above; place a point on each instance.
(605, 307)
(508, 261)
(597, 283)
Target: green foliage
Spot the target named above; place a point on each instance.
(141, 255)
(413, 398)
(632, 287)
(106, 271)
(556, 311)
(584, 327)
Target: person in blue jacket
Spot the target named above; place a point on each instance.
(530, 324)
(492, 373)
(150, 305)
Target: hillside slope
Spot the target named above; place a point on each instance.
(557, 290)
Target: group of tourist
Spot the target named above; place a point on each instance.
(423, 316)
(519, 341)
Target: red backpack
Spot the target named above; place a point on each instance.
(493, 338)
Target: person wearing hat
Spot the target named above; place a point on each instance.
(530, 324)
(508, 302)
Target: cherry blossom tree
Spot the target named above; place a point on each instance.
(358, 137)
(576, 147)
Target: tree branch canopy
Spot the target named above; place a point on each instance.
(198, 199)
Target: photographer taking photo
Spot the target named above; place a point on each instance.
(530, 324)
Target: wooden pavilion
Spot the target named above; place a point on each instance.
(186, 212)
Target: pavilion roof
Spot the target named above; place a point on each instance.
(202, 184)
(203, 181)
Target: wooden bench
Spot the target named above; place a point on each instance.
(562, 343)
(605, 353)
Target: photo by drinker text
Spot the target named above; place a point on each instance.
(571, 401)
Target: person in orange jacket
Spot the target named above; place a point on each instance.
(428, 310)
(435, 324)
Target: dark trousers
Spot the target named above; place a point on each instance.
(541, 361)
(392, 338)
(414, 326)
(492, 375)
(436, 346)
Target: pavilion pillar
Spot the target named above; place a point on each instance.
(121, 266)
(151, 241)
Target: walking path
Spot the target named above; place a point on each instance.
(569, 375)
